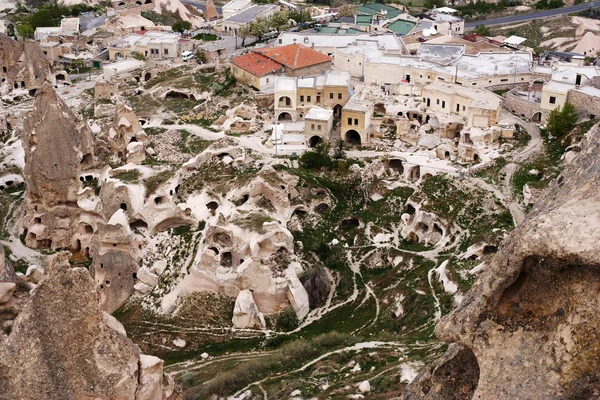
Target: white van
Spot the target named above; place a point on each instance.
(187, 55)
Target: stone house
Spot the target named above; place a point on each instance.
(256, 70)
(298, 60)
(356, 121)
(318, 124)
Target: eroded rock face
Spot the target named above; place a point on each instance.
(532, 318)
(24, 65)
(57, 148)
(62, 339)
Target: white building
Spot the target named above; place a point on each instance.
(318, 124)
(234, 7)
(120, 68)
(240, 20)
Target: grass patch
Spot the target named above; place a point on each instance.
(155, 181)
(131, 176)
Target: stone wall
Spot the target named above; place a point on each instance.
(584, 103)
(522, 107)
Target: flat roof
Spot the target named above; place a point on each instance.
(558, 87)
(479, 97)
(337, 78)
(320, 114)
(514, 40)
(358, 105)
(250, 13)
(235, 4)
(592, 91)
(285, 83)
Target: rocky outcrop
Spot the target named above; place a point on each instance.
(57, 148)
(24, 65)
(531, 321)
(126, 135)
(245, 312)
(61, 338)
(7, 273)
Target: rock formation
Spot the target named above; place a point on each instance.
(61, 347)
(529, 326)
(24, 65)
(126, 136)
(57, 148)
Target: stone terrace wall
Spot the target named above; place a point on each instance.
(584, 103)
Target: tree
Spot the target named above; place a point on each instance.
(25, 30)
(347, 10)
(244, 32)
(201, 56)
(339, 152)
(561, 122)
(259, 27)
(317, 159)
(138, 56)
(300, 16)
(181, 26)
(482, 30)
(429, 4)
(279, 21)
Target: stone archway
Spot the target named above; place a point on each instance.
(353, 138)
(337, 111)
(284, 101)
(314, 141)
(536, 117)
(285, 116)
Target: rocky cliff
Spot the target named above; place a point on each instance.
(529, 327)
(62, 346)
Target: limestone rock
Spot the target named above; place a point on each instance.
(113, 323)
(26, 66)
(6, 291)
(60, 337)
(34, 273)
(125, 131)
(57, 148)
(364, 387)
(7, 273)
(115, 273)
(245, 312)
(531, 320)
(150, 387)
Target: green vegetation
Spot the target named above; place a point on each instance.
(287, 320)
(207, 37)
(155, 181)
(130, 176)
(483, 31)
(181, 26)
(192, 144)
(548, 5)
(46, 15)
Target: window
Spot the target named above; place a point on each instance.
(503, 80)
(331, 95)
(339, 96)
(355, 121)
(440, 78)
(166, 51)
(443, 104)
(319, 127)
(301, 98)
(474, 84)
(349, 121)
(312, 126)
(280, 41)
(267, 80)
(464, 108)
(308, 99)
(552, 100)
(457, 107)
(437, 102)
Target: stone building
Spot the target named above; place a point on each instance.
(318, 124)
(356, 121)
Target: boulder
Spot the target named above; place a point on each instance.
(6, 291)
(245, 312)
(150, 380)
(34, 273)
(7, 273)
(364, 387)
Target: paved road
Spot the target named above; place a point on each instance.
(531, 16)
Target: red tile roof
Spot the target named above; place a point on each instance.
(256, 64)
(295, 56)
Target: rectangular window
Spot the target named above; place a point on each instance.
(301, 98)
(457, 107)
(464, 108)
(312, 126)
(355, 121)
(319, 127)
(308, 99)
(331, 95)
(166, 51)
(443, 104)
(440, 78)
(503, 80)
(437, 102)
(552, 100)
(349, 121)
(339, 96)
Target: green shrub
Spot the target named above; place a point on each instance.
(287, 320)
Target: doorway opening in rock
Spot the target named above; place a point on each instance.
(353, 138)
(396, 165)
(314, 141)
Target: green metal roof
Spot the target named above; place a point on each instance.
(401, 26)
(374, 8)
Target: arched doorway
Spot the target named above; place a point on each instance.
(147, 76)
(537, 117)
(284, 101)
(284, 116)
(352, 137)
(315, 140)
(337, 111)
